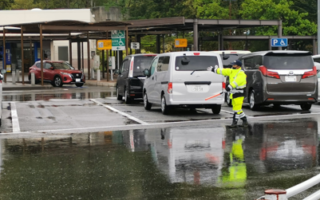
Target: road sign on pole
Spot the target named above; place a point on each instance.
(279, 42)
(104, 44)
(118, 38)
(135, 45)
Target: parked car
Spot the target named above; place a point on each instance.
(180, 79)
(57, 73)
(130, 80)
(227, 58)
(230, 56)
(280, 77)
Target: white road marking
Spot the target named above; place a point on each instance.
(208, 122)
(15, 119)
(227, 111)
(120, 112)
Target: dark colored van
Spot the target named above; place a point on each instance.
(280, 77)
(131, 77)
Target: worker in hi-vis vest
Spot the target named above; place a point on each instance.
(236, 87)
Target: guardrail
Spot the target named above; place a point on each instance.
(276, 194)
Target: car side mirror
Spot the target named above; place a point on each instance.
(51, 68)
(146, 72)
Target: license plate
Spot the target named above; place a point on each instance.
(78, 80)
(197, 88)
(290, 78)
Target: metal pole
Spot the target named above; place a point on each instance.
(4, 54)
(79, 54)
(88, 52)
(103, 63)
(107, 60)
(164, 48)
(195, 35)
(280, 32)
(82, 61)
(70, 49)
(318, 38)
(22, 56)
(41, 54)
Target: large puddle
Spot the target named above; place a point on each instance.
(169, 163)
(48, 96)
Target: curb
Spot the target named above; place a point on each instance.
(100, 83)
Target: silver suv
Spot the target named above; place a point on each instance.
(280, 77)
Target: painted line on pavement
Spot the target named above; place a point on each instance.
(120, 112)
(208, 122)
(15, 119)
(227, 111)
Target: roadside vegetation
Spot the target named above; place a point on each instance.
(299, 17)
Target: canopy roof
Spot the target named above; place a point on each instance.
(67, 26)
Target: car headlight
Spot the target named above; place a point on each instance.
(67, 74)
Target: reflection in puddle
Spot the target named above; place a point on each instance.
(168, 163)
(46, 97)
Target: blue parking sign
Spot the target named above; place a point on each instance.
(279, 42)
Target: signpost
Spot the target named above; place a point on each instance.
(135, 45)
(118, 38)
(279, 42)
(180, 43)
(104, 44)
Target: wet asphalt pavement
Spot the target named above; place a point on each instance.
(189, 161)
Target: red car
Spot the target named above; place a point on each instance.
(57, 73)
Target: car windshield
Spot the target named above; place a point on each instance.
(190, 63)
(293, 61)
(62, 66)
(141, 63)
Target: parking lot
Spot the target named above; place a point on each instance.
(79, 110)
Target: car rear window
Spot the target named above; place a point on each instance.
(232, 57)
(141, 63)
(190, 63)
(293, 61)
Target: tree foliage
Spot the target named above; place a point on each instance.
(299, 17)
(294, 22)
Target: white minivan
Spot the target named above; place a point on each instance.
(181, 79)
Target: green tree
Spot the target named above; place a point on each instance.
(210, 9)
(294, 22)
(25, 4)
(5, 4)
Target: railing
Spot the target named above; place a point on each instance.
(275, 194)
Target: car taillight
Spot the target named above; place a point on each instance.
(169, 88)
(223, 85)
(265, 72)
(131, 69)
(311, 73)
(196, 54)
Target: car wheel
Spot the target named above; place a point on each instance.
(164, 107)
(119, 97)
(79, 84)
(306, 106)
(146, 103)
(127, 98)
(216, 109)
(228, 100)
(57, 81)
(252, 103)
